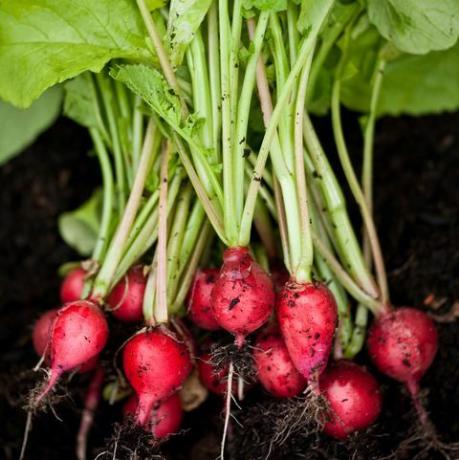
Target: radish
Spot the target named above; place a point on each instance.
(402, 343)
(156, 364)
(79, 333)
(275, 368)
(72, 285)
(353, 396)
(214, 379)
(307, 318)
(199, 299)
(243, 295)
(125, 301)
(166, 416)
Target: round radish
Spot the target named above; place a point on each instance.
(243, 295)
(79, 333)
(166, 416)
(402, 343)
(353, 396)
(72, 285)
(307, 318)
(275, 368)
(199, 299)
(125, 300)
(215, 380)
(42, 331)
(156, 365)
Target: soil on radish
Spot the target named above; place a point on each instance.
(416, 193)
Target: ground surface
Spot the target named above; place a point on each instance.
(417, 197)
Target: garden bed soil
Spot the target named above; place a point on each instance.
(416, 206)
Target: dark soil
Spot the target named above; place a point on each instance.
(417, 197)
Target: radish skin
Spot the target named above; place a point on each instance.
(215, 380)
(72, 285)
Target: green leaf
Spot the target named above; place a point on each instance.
(44, 42)
(20, 127)
(414, 85)
(416, 26)
(79, 228)
(312, 13)
(79, 104)
(185, 17)
(265, 5)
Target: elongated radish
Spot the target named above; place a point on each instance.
(243, 295)
(213, 378)
(275, 368)
(72, 285)
(79, 333)
(199, 299)
(307, 318)
(156, 365)
(402, 343)
(125, 300)
(353, 396)
(166, 416)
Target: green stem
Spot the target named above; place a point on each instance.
(293, 38)
(282, 224)
(149, 297)
(137, 132)
(358, 336)
(263, 225)
(336, 210)
(104, 278)
(107, 201)
(357, 191)
(264, 193)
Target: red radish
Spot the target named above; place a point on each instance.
(243, 295)
(199, 299)
(215, 380)
(72, 285)
(125, 301)
(402, 343)
(79, 333)
(166, 416)
(156, 365)
(275, 368)
(353, 396)
(307, 318)
(41, 336)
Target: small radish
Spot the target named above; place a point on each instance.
(156, 365)
(125, 300)
(307, 318)
(353, 397)
(275, 368)
(166, 416)
(402, 343)
(79, 333)
(72, 285)
(199, 299)
(215, 380)
(243, 295)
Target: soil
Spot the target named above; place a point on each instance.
(416, 206)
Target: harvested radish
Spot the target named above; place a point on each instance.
(125, 301)
(275, 368)
(402, 343)
(72, 285)
(307, 318)
(243, 295)
(42, 331)
(166, 416)
(156, 365)
(215, 380)
(353, 396)
(199, 300)
(79, 333)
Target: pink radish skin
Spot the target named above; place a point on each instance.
(166, 416)
(41, 335)
(199, 299)
(72, 285)
(156, 364)
(243, 296)
(307, 318)
(215, 380)
(402, 343)
(79, 333)
(353, 396)
(125, 301)
(275, 368)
